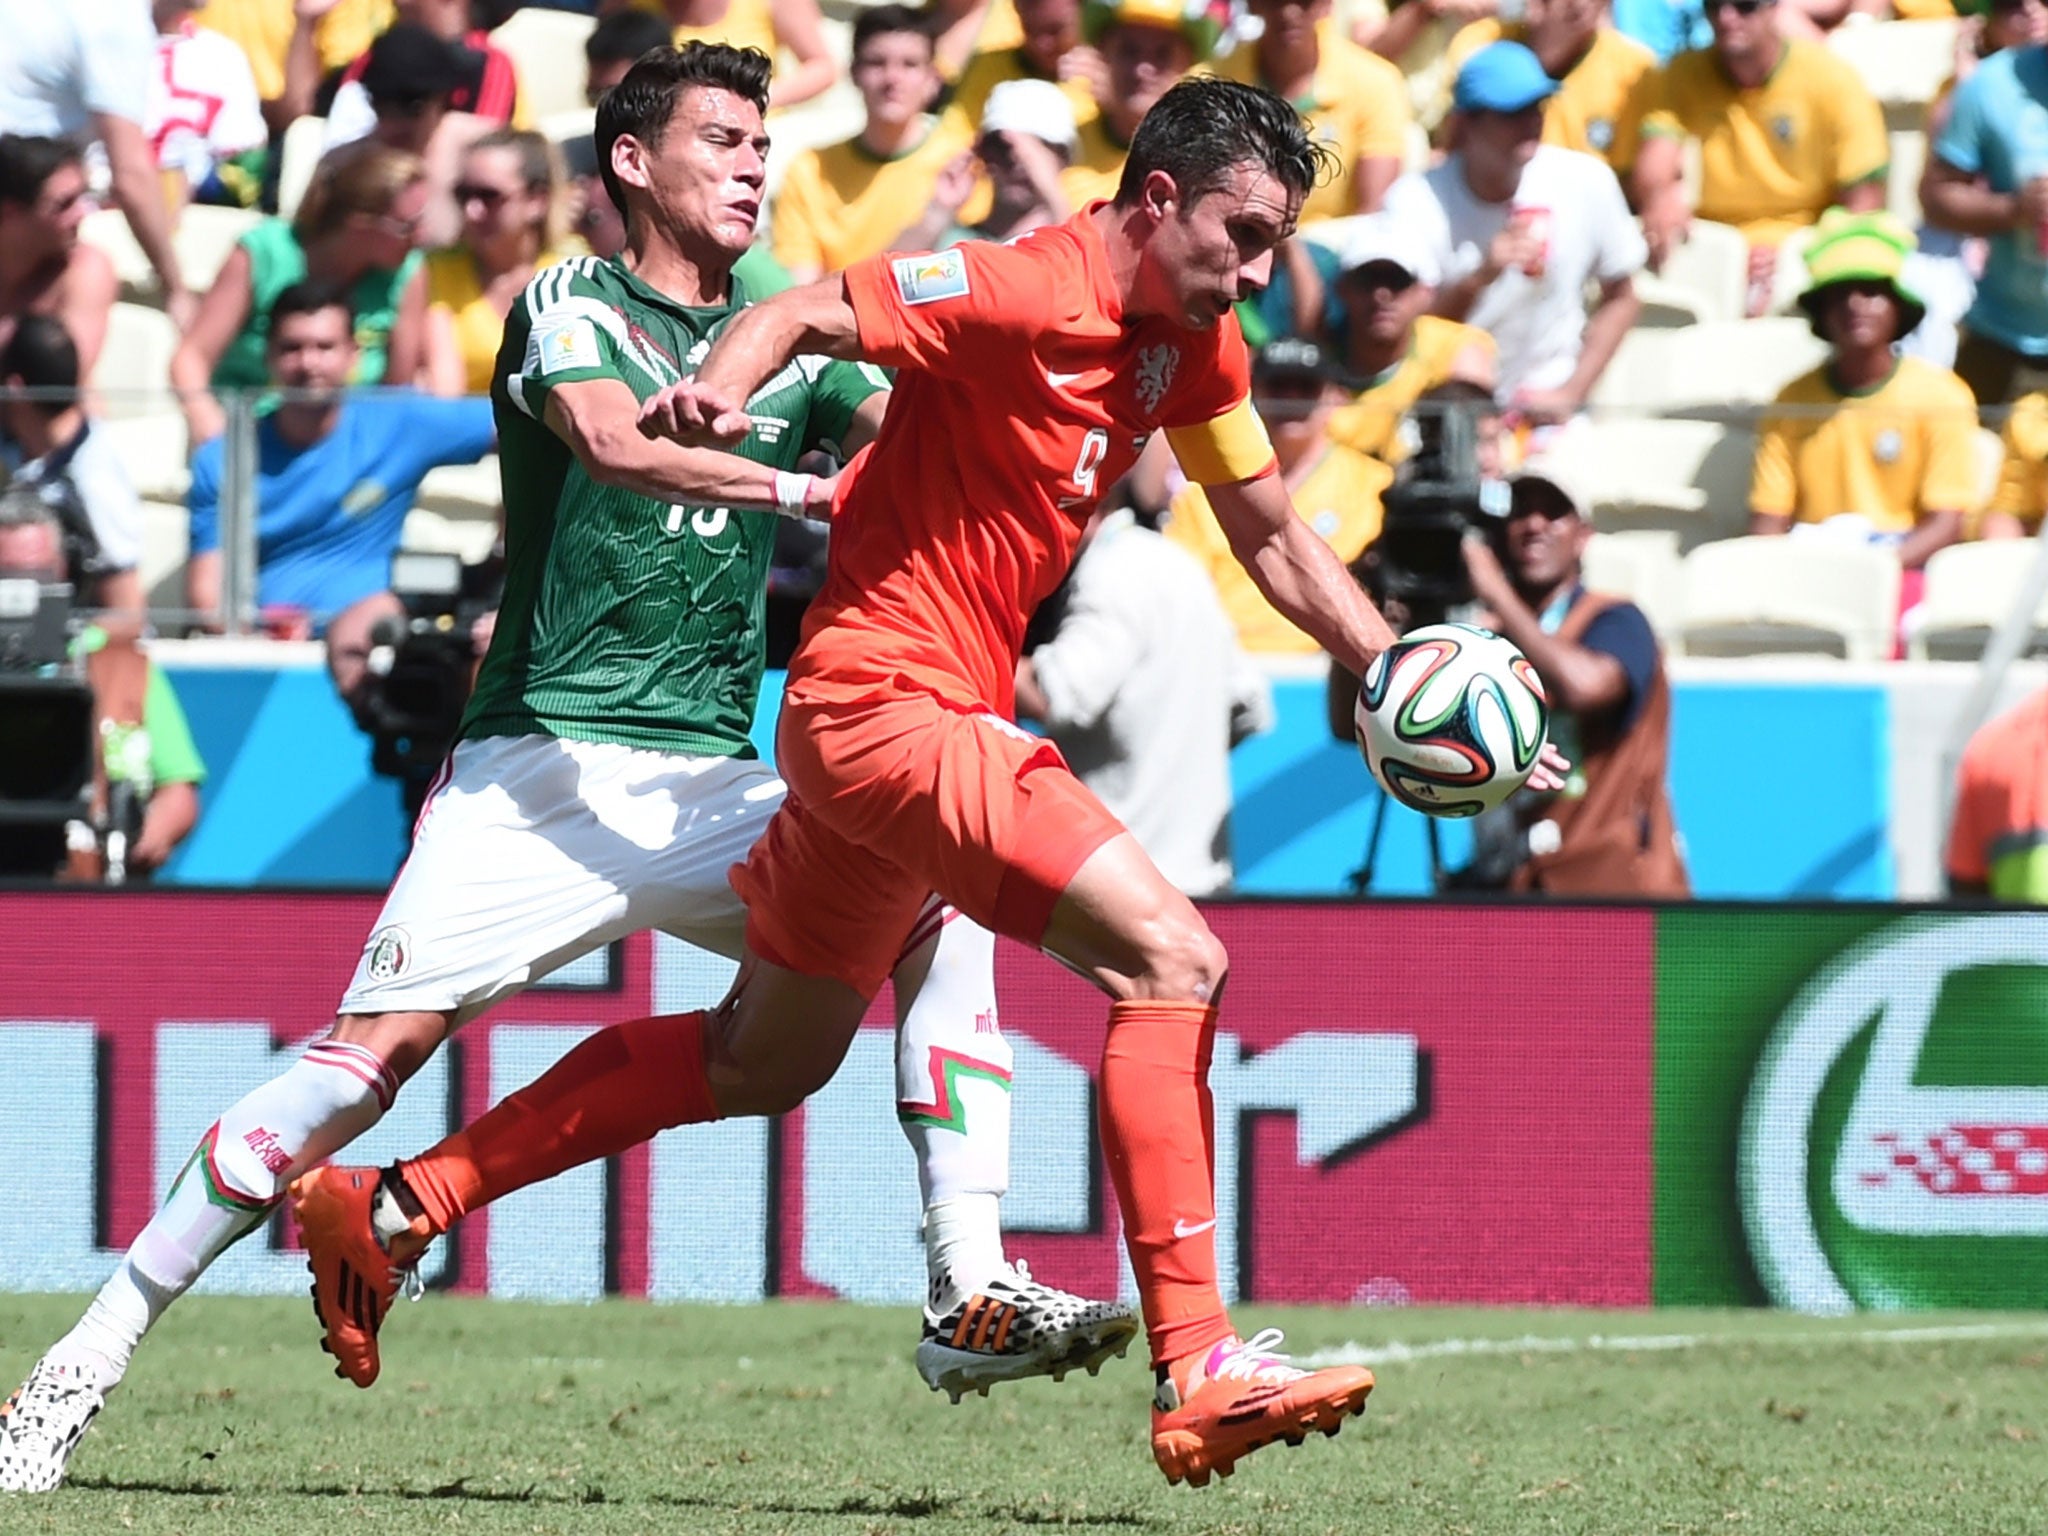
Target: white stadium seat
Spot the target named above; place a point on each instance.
(203, 238)
(1902, 181)
(546, 47)
(1667, 304)
(464, 491)
(1705, 369)
(1689, 479)
(152, 449)
(1970, 590)
(166, 536)
(1713, 264)
(1791, 594)
(133, 375)
(1643, 567)
(1903, 62)
(303, 142)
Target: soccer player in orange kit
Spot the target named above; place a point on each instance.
(1030, 376)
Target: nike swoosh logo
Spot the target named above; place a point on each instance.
(1182, 1229)
(1060, 380)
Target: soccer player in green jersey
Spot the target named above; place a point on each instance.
(603, 783)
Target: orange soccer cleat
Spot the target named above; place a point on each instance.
(1241, 1396)
(355, 1277)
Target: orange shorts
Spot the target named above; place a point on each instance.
(894, 798)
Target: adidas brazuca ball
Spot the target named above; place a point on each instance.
(1451, 719)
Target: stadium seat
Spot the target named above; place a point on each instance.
(547, 49)
(1990, 464)
(1667, 304)
(1790, 278)
(166, 536)
(562, 127)
(1970, 590)
(1790, 595)
(1902, 181)
(1704, 370)
(203, 238)
(1685, 479)
(151, 448)
(464, 492)
(1713, 265)
(296, 161)
(1903, 62)
(425, 530)
(133, 375)
(1642, 566)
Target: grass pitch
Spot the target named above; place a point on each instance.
(805, 1418)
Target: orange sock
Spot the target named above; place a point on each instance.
(1158, 1130)
(615, 1090)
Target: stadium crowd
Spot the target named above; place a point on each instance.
(1712, 274)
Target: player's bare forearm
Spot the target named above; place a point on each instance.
(1297, 572)
(599, 420)
(711, 408)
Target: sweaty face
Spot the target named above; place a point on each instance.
(315, 351)
(894, 75)
(1144, 64)
(1220, 250)
(1544, 536)
(704, 176)
(1052, 28)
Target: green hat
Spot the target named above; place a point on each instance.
(1199, 21)
(1860, 248)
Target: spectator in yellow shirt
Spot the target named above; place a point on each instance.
(1049, 48)
(1146, 46)
(1357, 101)
(2022, 494)
(1597, 70)
(1786, 130)
(776, 27)
(1392, 353)
(1336, 489)
(852, 199)
(1887, 443)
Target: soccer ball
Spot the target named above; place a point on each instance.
(1450, 719)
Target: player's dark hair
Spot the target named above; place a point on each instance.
(27, 162)
(642, 104)
(1204, 126)
(880, 20)
(310, 297)
(625, 36)
(42, 355)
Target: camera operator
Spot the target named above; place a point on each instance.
(146, 772)
(49, 443)
(336, 476)
(1609, 831)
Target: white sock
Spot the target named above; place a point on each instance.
(235, 1177)
(963, 1247)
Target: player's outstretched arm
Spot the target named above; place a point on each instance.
(599, 420)
(711, 409)
(1298, 573)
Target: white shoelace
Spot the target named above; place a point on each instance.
(1256, 1356)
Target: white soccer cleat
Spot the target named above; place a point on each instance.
(41, 1425)
(1014, 1328)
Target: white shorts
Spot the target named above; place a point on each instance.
(533, 851)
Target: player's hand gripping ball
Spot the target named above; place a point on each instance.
(1451, 719)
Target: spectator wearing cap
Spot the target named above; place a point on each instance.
(1518, 230)
(357, 226)
(1048, 48)
(1143, 688)
(1356, 100)
(1392, 352)
(1878, 445)
(1610, 830)
(1998, 842)
(792, 32)
(1335, 488)
(204, 120)
(1786, 130)
(1987, 174)
(1026, 137)
(45, 269)
(1146, 47)
(81, 72)
(846, 201)
(1597, 69)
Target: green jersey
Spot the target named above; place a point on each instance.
(626, 619)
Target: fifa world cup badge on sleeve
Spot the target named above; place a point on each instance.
(927, 279)
(565, 345)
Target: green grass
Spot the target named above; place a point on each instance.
(494, 1417)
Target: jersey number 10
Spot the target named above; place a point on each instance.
(705, 522)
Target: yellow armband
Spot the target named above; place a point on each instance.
(1232, 447)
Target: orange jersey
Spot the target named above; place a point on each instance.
(1022, 397)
